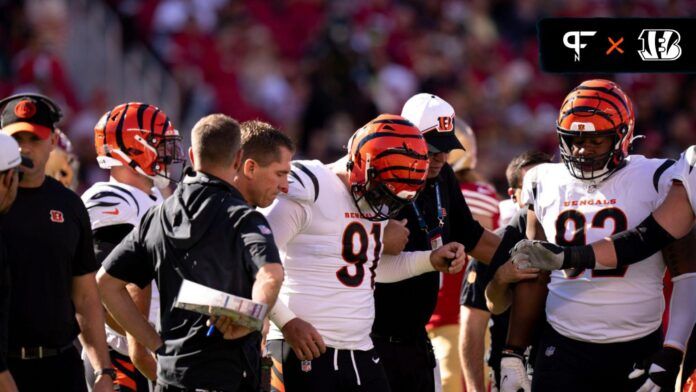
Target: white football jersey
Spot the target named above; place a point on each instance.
(601, 306)
(115, 203)
(329, 260)
(686, 173)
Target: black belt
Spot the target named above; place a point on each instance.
(37, 352)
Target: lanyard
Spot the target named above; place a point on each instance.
(419, 216)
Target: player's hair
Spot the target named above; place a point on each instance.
(514, 169)
(215, 140)
(262, 142)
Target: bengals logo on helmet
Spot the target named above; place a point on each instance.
(25, 109)
(388, 164)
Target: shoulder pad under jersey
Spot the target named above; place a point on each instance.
(303, 181)
(110, 204)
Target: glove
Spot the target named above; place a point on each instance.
(537, 254)
(662, 370)
(513, 373)
(547, 256)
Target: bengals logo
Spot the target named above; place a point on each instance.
(57, 216)
(25, 109)
(445, 124)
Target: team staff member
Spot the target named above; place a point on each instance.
(404, 308)
(117, 205)
(205, 232)
(443, 328)
(52, 265)
(266, 155)
(9, 179)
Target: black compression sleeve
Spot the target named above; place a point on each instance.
(510, 237)
(106, 238)
(640, 242)
(579, 257)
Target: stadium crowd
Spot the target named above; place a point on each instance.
(319, 69)
(351, 171)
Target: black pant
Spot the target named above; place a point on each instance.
(63, 372)
(335, 370)
(410, 364)
(569, 365)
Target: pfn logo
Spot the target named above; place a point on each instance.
(575, 43)
(660, 45)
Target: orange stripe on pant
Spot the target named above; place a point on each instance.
(277, 381)
(122, 378)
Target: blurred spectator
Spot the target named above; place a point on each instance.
(303, 64)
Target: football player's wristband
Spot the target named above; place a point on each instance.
(579, 257)
(281, 314)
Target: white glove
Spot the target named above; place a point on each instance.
(662, 370)
(513, 375)
(537, 254)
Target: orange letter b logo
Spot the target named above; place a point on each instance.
(445, 124)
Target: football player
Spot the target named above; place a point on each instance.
(63, 164)
(139, 145)
(329, 228)
(601, 321)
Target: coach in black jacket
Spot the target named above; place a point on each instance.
(205, 232)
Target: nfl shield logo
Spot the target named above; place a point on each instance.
(550, 351)
(306, 366)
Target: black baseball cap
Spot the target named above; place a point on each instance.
(29, 113)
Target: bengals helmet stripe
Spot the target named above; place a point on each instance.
(579, 110)
(119, 129)
(386, 134)
(392, 121)
(141, 114)
(607, 91)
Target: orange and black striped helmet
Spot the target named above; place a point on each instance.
(140, 136)
(388, 165)
(596, 107)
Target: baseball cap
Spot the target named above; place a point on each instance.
(434, 117)
(29, 113)
(9, 154)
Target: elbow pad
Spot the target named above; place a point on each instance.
(640, 242)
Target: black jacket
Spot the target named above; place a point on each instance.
(206, 233)
(403, 309)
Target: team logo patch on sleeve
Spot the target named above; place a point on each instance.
(265, 230)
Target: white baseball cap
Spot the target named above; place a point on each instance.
(434, 117)
(9, 154)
